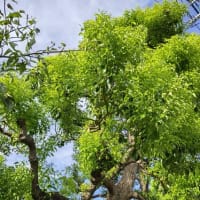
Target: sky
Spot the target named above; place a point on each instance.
(61, 21)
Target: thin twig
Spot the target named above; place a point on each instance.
(42, 52)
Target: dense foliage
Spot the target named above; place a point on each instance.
(129, 99)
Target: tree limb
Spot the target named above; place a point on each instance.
(125, 159)
(109, 184)
(5, 132)
(136, 195)
(42, 52)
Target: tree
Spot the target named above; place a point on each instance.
(17, 38)
(128, 98)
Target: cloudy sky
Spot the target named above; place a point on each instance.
(61, 20)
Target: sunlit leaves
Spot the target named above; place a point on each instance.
(99, 154)
(57, 82)
(133, 86)
(181, 51)
(166, 186)
(149, 92)
(18, 102)
(162, 21)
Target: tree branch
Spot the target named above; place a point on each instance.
(125, 159)
(37, 193)
(42, 52)
(5, 132)
(136, 195)
(99, 196)
(109, 184)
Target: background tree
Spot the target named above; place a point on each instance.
(17, 37)
(129, 99)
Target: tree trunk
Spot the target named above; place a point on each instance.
(124, 189)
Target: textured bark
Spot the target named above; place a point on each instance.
(124, 189)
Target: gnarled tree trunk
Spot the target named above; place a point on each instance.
(123, 190)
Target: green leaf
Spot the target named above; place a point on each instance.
(14, 15)
(13, 45)
(9, 6)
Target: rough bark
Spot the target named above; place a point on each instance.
(124, 189)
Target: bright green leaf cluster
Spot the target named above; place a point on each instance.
(18, 102)
(162, 21)
(99, 150)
